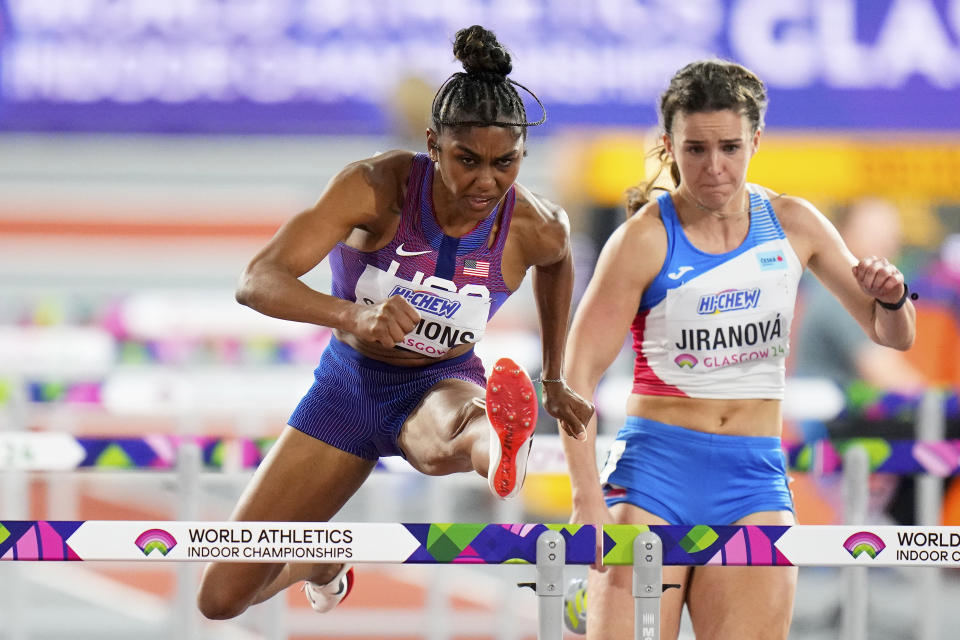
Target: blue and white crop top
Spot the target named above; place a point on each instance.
(718, 325)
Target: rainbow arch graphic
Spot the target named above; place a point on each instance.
(687, 360)
(157, 539)
(864, 542)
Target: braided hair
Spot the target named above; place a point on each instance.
(481, 95)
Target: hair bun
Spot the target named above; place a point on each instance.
(480, 52)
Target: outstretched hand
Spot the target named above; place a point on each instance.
(879, 279)
(569, 407)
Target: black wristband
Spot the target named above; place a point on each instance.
(895, 305)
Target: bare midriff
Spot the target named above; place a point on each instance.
(735, 417)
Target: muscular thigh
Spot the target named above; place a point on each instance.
(744, 603)
(431, 435)
(302, 479)
(610, 595)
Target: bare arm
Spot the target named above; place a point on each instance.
(857, 284)
(630, 259)
(359, 197)
(553, 288)
(883, 282)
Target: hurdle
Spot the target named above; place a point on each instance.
(549, 547)
(192, 457)
(198, 460)
(648, 548)
(61, 451)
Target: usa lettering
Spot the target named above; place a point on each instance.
(433, 282)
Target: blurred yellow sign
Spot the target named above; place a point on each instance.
(841, 168)
(817, 167)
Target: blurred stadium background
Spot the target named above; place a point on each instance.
(147, 149)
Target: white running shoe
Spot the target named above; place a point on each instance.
(511, 405)
(575, 606)
(324, 597)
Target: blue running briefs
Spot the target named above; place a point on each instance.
(358, 404)
(691, 477)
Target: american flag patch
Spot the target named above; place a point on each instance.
(477, 268)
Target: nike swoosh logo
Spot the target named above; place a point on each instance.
(676, 275)
(401, 252)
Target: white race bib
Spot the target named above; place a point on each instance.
(448, 317)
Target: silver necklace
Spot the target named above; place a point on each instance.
(719, 214)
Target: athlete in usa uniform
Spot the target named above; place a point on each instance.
(424, 248)
(455, 283)
(705, 277)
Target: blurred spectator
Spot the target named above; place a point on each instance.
(937, 347)
(936, 351)
(833, 344)
(408, 107)
(835, 347)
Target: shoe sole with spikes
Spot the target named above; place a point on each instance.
(511, 404)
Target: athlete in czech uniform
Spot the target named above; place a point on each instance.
(705, 276)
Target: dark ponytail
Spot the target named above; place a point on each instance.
(642, 193)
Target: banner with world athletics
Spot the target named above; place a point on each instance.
(473, 543)
(414, 543)
(336, 66)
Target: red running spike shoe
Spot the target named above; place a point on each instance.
(511, 405)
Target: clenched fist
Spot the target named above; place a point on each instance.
(879, 279)
(385, 323)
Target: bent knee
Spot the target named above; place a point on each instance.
(443, 444)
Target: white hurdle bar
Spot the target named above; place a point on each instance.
(648, 549)
(547, 546)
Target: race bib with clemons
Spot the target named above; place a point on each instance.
(448, 316)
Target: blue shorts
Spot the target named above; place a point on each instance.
(690, 477)
(358, 404)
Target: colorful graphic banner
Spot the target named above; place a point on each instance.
(900, 457)
(156, 541)
(472, 543)
(800, 545)
(48, 451)
(314, 66)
